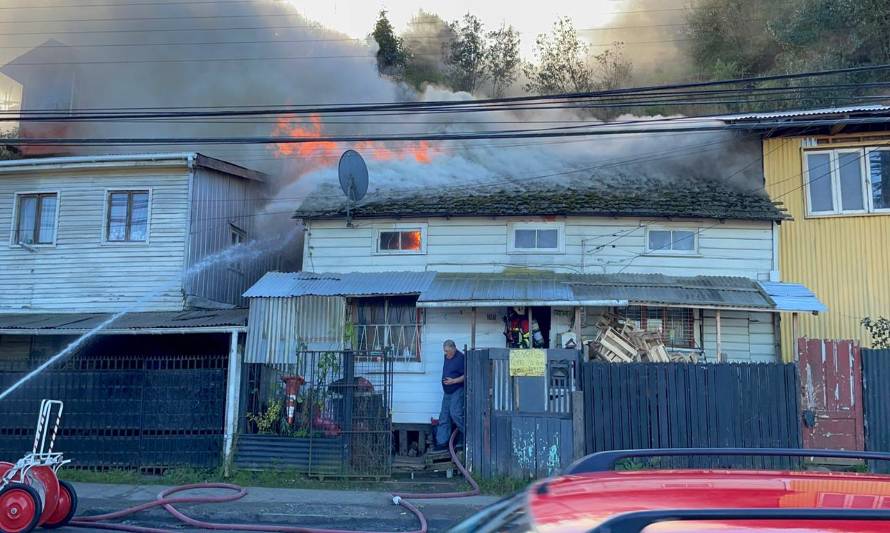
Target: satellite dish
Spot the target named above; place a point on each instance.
(353, 175)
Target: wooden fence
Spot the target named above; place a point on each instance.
(670, 405)
(876, 395)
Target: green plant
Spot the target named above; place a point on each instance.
(879, 330)
(269, 420)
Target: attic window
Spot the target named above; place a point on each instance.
(400, 240)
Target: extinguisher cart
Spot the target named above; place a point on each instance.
(31, 494)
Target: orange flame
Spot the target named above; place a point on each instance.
(420, 151)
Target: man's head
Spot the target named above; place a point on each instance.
(449, 347)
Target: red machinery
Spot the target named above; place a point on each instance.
(31, 494)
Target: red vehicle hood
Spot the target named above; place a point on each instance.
(581, 502)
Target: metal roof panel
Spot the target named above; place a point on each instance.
(291, 284)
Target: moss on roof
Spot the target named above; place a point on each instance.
(668, 199)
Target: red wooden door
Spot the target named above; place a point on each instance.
(831, 394)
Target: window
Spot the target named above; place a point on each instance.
(847, 181)
(35, 218)
(676, 324)
(671, 241)
(400, 241)
(127, 219)
(389, 325)
(536, 238)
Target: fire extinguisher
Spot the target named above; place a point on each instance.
(291, 389)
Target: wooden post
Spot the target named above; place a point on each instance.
(528, 313)
(719, 353)
(578, 437)
(795, 335)
(473, 331)
(577, 329)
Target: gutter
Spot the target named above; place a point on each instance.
(524, 303)
(135, 331)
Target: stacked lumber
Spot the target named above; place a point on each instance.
(619, 341)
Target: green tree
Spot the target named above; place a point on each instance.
(502, 58)
(611, 69)
(391, 54)
(563, 62)
(467, 54)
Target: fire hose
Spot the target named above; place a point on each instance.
(167, 500)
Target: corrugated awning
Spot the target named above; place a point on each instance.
(290, 284)
(154, 321)
(547, 288)
(793, 297)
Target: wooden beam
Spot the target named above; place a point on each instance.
(473, 331)
(795, 335)
(719, 353)
(577, 329)
(578, 437)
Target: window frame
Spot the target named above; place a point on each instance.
(673, 253)
(693, 342)
(418, 324)
(106, 222)
(560, 228)
(837, 201)
(13, 243)
(375, 238)
(866, 187)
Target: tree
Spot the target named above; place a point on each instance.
(425, 39)
(502, 58)
(563, 62)
(466, 54)
(611, 68)
(391, 54)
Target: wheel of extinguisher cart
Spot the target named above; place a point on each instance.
(20, 508)
(66, 507)
(43, 480)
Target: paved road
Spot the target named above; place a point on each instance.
(332, 509)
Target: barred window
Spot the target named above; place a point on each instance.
(676, 324)
(390, 325)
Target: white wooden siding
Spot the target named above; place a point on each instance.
(592, 245)
(744, 337)
(81, 273)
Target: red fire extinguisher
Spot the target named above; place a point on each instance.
(291, 389)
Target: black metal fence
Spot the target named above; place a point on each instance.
(338, 422)
(150, 412)
(876, 400)
(670, 405)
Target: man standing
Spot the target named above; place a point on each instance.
(453, 398)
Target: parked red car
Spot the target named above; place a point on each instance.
(591, 496)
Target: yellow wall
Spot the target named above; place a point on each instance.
(845, 260)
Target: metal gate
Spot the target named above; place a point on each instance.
(831, 394)
(876, 396)
(149, 412)
(520, 426)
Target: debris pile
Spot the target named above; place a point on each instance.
(619, 341)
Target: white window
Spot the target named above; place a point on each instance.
(400, 240)
(126, 216)
(35, 220)
(671, 241)
(537, 238)
(847, 181)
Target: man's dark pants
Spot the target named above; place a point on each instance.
(452, 414)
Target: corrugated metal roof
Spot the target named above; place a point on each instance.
(793, 297)
(288, 284)
(547, 288)
(808, 112)
(714, 291)
(497, 289)
(130, 321)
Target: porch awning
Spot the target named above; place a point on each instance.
(547, 288)
(293, 284)
(793, 297)
(199, 321)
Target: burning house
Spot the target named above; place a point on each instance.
(691, 268)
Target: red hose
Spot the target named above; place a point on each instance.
(164, 500)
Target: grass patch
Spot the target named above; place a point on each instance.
(502, 486)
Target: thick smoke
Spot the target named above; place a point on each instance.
(226, 57)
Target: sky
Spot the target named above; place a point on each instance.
(356, 17)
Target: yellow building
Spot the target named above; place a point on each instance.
(831, 170)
